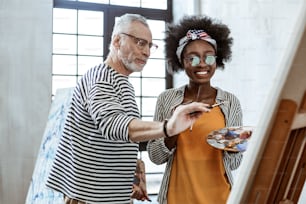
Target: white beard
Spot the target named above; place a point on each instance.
(131, 66)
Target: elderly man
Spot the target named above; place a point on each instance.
(96, 158)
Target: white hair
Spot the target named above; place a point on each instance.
(125, 21)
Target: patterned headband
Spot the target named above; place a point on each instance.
(194, 35)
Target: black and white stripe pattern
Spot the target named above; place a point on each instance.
(160, 154)
(95, 161)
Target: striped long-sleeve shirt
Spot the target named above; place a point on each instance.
(159, 153)
(95, 161)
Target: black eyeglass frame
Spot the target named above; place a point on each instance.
(141, 43)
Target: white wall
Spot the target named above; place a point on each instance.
(25, 87)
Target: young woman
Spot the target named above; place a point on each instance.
(196, 172)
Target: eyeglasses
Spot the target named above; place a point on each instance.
(142, 43)
(196, 60)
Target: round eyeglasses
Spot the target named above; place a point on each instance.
(142, 43)
(196, 60)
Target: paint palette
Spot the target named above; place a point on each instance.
(234, 139)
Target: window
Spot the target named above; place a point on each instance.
(81, 36)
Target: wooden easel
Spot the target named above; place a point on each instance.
(281, 172)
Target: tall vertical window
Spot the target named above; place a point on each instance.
(81, 35)
(77, 44)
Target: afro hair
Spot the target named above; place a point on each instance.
(218, 31)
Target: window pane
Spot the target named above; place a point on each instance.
(160, 52)
(134, 3)
(154, 68)
(137, 85)
(157, 4)
(64, 44)
(137, 101)
(150, 166)
(153, 181)
(89, 45)
(145, 118)
(135, 74)
(59, 82)
(157, 28)
(90, 22)
(63, 64)
(64, 20)
(152, 87)
(86, 62)
(148, 106)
